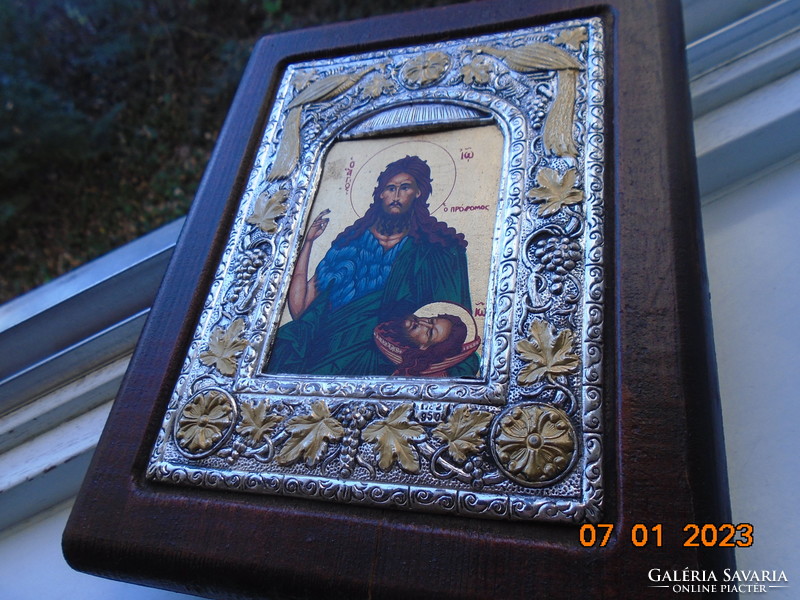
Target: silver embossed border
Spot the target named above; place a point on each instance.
(523, 441)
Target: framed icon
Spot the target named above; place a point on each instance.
(408, 311)
(432, 307)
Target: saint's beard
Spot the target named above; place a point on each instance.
(389, 224)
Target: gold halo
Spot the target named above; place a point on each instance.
(435, 309)
(443, 172)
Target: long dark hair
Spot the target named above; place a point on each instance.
(423, 224)
(415, 360)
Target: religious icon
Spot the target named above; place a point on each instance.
(408, 311)
(384, 266)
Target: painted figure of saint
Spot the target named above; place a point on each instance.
(383, 267)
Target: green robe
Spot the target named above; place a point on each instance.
(323, 341)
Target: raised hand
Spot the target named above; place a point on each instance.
(303, 290)
(318, 226)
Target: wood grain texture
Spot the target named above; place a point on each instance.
(663, 454)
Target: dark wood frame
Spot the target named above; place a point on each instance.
(664, 459)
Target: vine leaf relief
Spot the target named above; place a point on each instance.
(554, 191)
(267, 209)
(302, 78)
(378, 85)
(572, 37)
(477, 72)
(472, 446)
(225, 347)
(462, 432)
(310, 435)
(393, 436)
(546, 353)
(257, 423)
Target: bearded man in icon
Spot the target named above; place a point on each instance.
(383, 267)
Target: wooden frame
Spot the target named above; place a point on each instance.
(659, 463)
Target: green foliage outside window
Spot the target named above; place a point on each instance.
(109, 110)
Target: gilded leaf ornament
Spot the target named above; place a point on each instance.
(477, 72)
(257, 422)
(301, 79)
(546, 353)
(225, 347)
(329, 87)
(535, 444)
(572, 37)
(462, 431)
(310, 435)
(378, 85)
(393, 436)
(203, 421)
(555, 191)
(321, 90)
(267, 209)
(557, 135)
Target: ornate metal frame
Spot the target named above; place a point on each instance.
(523, 441)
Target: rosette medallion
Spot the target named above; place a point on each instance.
(205, 422)
(534, 443)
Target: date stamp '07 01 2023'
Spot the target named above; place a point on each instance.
(725, 535)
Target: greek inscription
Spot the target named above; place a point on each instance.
(469, 208)
(348, 175)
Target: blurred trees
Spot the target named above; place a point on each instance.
(109, 110)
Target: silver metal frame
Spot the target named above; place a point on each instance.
(244, 305)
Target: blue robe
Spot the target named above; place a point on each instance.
(334, 336)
